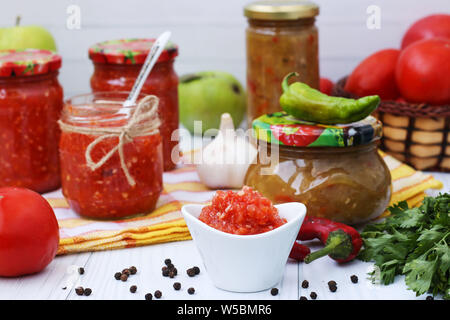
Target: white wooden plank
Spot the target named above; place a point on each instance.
(149, 260)
(47, 284)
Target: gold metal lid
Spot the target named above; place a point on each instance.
(281, 10)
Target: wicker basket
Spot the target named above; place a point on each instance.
(417, 134)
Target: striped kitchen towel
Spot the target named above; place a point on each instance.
(166, 223)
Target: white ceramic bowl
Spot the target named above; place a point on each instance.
(245, 263)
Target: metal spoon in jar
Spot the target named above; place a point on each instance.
(153, 55)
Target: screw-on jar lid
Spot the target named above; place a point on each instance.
(283, 129)
(28, 62)
(129, 51)
(281, 10)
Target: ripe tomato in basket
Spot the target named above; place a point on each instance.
(326, 85)
(29, 233)
(375, 75)
(433, 26)
(423, 71)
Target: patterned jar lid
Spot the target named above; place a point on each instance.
(283, 129)
(28, 62)
(129, 51)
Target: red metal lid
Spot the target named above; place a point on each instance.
(128, 51)
(28, 62)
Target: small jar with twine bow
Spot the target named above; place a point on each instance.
(111, 157)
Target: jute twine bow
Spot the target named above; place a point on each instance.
(144, 121)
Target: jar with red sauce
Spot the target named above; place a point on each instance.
(31, 100)
(110, 168)
(117, 64)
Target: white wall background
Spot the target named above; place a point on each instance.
(211, 33)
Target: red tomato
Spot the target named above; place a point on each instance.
(29, 233)
(423, 71)
(375, 75)
(434, 26)
(326, 85)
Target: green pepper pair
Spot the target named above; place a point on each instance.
(306, 103)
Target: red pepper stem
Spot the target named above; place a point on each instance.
(329, 248)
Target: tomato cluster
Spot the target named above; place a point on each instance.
(417, 73)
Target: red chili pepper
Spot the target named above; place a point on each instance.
(299, 252)
(342, 242)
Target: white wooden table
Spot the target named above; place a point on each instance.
(101, 266)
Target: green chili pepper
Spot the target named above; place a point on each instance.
(306, 103)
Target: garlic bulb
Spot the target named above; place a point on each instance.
(226, 159)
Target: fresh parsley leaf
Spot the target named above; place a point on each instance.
(413, 242)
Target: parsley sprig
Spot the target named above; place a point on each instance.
(414, 242)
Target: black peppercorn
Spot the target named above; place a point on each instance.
(133, 270)
(117, 275)
(177, 286)
(167, 262)
(79, 291)
(165, 272)
(148, 296)
(313, 295)
(158, 294)
(124, 277)
(305, 284)
(87, 292)
(430, 298)
(191, 290)
(332, 285)
(126, 271)
(190, 272)
(81, 270)
(274, 291)
(133, 289)
(196, 270)
(354, 279)
(303, 298)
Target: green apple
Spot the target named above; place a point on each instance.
(205, 96)
(26, 37)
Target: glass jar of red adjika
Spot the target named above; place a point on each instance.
(31, 100)
(111, 157)
(117, 64)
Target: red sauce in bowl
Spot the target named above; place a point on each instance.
(245, 212)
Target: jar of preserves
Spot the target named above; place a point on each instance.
(117, 64)
(281, 38)
(336, 171)
(111, 156)
(31, 100)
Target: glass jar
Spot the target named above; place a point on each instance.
(31, 100)
(117, 64)
(281, 38)
(336, 172)
(98, 180)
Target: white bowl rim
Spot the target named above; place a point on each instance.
(244, 236)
